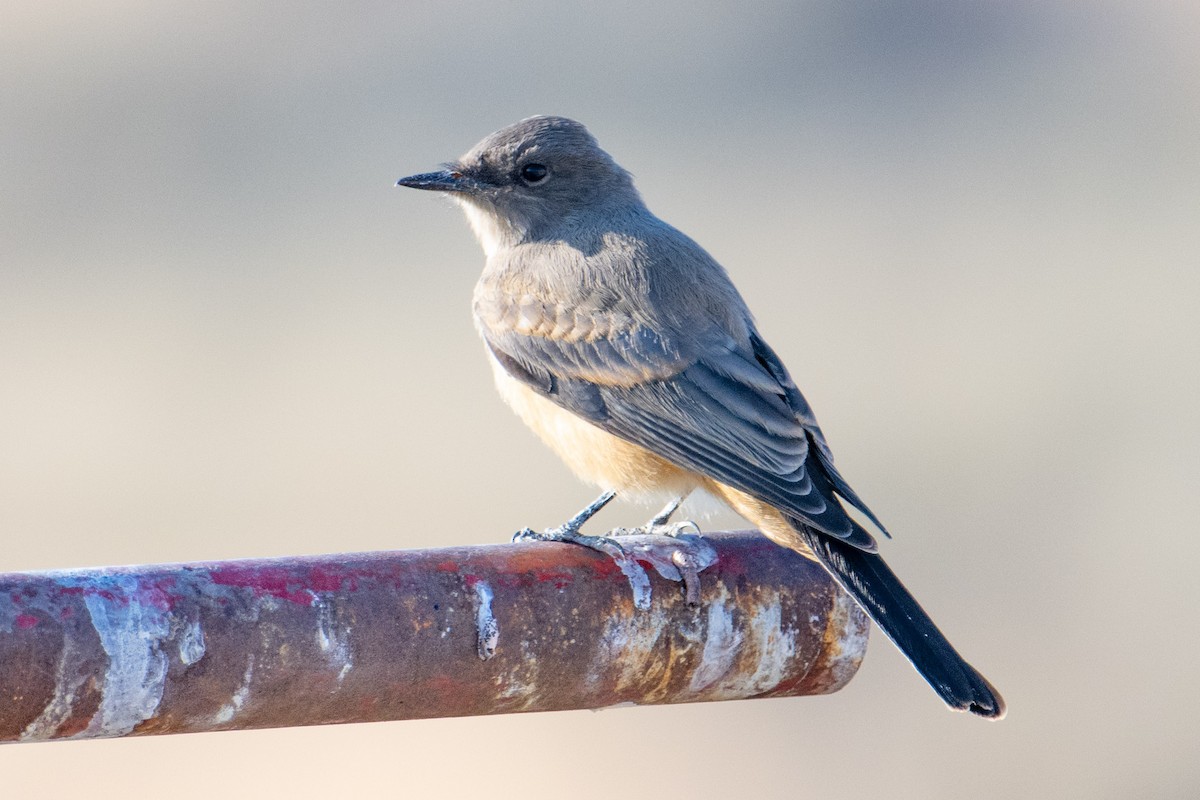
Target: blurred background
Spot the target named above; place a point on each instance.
(972, 230)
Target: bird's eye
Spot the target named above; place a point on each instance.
(534, 173)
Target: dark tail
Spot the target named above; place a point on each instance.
(877, 589)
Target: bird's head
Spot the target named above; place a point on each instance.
(529, 180)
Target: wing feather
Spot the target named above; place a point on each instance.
(731, 413)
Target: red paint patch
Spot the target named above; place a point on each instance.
(326, 580)
(731, 562)
(158, 596)
(110, 596)
(604, 567)
(446, 566)
(560, 578)
(274, 581)
(26, 621)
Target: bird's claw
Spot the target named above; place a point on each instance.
(660, 524)
(528, 535)
(602, 544)
(570, 534)
(680, 558)
(654, 528)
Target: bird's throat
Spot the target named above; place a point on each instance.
(493, 231)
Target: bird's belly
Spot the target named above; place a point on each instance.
(595, 455)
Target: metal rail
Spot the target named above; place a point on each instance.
(415, 634)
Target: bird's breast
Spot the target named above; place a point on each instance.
(595, 455)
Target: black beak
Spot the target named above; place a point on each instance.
(446, 180)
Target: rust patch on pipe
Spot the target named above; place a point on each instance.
(415, 634)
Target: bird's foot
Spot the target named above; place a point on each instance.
(677, 558)
(660, 524)
(569, 531)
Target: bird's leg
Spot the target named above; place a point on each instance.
(569, 531)
(660, 524)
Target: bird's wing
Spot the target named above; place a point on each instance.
(726, 411)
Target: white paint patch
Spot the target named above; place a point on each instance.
(521, 681)
(227, 712)
(633, 644)
(486, 629)
(639, 581)
(191, 643)
(58, 710)
(774, 645)
(131, 634)
(720, 648)
(333, 640)
(744, 661)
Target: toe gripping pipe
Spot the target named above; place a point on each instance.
(451, 632)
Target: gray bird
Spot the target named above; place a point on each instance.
(627, 349)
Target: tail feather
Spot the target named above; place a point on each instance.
(881, 594)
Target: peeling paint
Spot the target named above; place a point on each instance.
(228, 711)
(333, 640)
(521, 682)
(774, 645)
(67, 680)
(191, 643)
(486, 630)
(633, 645)
(721, 646)
(639, 581)
(131, 633)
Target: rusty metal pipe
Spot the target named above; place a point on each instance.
(414, 634)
